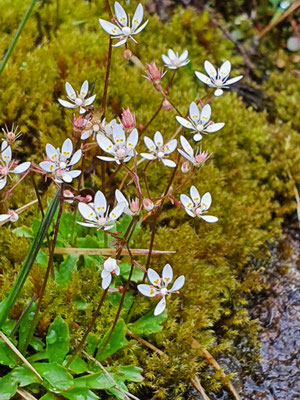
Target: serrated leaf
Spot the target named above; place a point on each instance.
(55, 376)
(80, 394)
(8, 387)
(148, 324)
(57, 340)
(116, 342)
(64, 273)
(24, 376)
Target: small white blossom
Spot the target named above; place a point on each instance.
(97, 214)
(110, 267)
(131, 207)
(174, 61)
(11, 135)
(8, 166)
(92, 128)
(122, 29)
(121, 149)
(159, 286)
(11, 216)
(60, 163)
(78, 99)
(159, 151)
(188, 152)
(197, 207)
(218, 79)
(199, 122)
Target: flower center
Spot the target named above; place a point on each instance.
(163, 291)
(198, 211)
(96, 128)
(78, 101)
(63, 165)
(126, 30)
(200, 127)
(121, 153)
(160, 154)
(101, 221)
(218, 82)
(4, 171)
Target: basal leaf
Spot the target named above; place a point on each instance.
(25, 326)
(99, 380)
(116, 342)
(80, 394)
(55, 376)
(24, 376)
(8, 387)
(57, 341)
(7, 356)
(129, 373)
(148, 324)
(64, 273)
(78, 365)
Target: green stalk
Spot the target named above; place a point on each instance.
(30, 258)
(17, 35)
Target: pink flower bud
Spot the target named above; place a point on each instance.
(13, 215)
(202, 157)
(128, 119)
(134, 206)
(69, 196)
(154, 74)
(185, 167)
(78, 123)
(166, 105)
(148, 204)
(127, 54)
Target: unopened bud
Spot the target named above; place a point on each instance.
(134, 206)
(148, 204)
(13, 215)
(128, 119)
(185, 168)
(69, 196)
(127, 54)
(166, 105)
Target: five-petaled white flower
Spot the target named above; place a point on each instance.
(110, 267)
(93, 127)
(197, 207)
(159, 287)
(199, 122)
(6, 164)
(188, 152)
(121, 149)
(174, 61)
(11, 216)
(158, 150)
(218, 79)
(60, 163)
(97, 214)
(131, 207)
(79, 99)
(122, 29)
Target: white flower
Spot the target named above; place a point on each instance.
(174, 61)
(123, 30)
(92, 128)
(11, 135)
(218, 79)
(11, 216)
(198, 159)
(78, 99)
(159, 151)
(121, 149)
(60, 162)
(110, 267)
(130, 209)
(96, 214)
(159, 287)
(6, 164)
(199, 122)
(196, 206)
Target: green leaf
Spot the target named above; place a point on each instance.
(122, 226)
(7, 356)
(36, 343)
(137, 274)
(64, 273)
(148, 324)
(42, 355)
(42, 258)
(117, 341)
(80, 303)
(24, 376)
(80, 394)
(57, 340)
(89, 242)
(78, 365)
(116, 392)
(99, 380)
(129, 373)
(8, 387)
(115, 298)
(23, 231)
(55, 376)
(92, 343)
(49, 396)
(25, 326)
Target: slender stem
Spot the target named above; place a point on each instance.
(17, 35)
(151, 120)
(47, 274)
(9, 192)
(89, 328)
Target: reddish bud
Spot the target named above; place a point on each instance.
(127, 54)
(128, 119)
(166, 105)
(148, 204)
(185, 168)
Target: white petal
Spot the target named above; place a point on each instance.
(74, 173)
(194, 112)
(48, 166)
(103, 158)
(66, 104)
(195, 195)
(70, 91)
(171, 54)
(106, 282)
(104, 143)
(153, 277)
(184, 122)
(87, 212)
(6, 154)
(206, 201)
(149, 143)
(120, 43)
(184, 55)
(160, 307)
(120, 14)
(76, 157)
(224, 70)
(118, 134)
(218, 92)
(52, 152)
(170, 146)
(137, 17)
(132, 139)
(147, 290)
(214, 127)
(67, 148)
(89, 100)
(233, 80)
(197, 137)
(209, 218)
(205, 114)
(186, 201)
(166, 60)
(203, 78)
(116, 212)
(86, 224)
(20, 169)
(168, 163)
(179, 282)
(185, 155)
(100, 204)
(86, 134)
(121, 198)
(139, 29)
(167, 274)
(147, 156)
(110, 28)
(158, 139)
(3, 182)
(4, 217)
(210, 69)
(186, 146)
(4, 145)
(190, 213)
